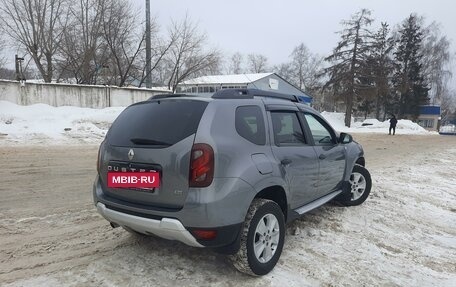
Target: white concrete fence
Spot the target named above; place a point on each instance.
(72, 95)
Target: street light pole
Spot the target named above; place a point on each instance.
(148, 48)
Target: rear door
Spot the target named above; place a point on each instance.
(157, 136)
(295, 155)
(331, 155)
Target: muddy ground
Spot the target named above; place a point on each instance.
(404, 234)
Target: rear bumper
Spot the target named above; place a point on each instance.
(167, 228)
(224, 203)
(221, 208)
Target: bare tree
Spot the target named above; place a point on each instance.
(257, 63)
(2, 51)
(37, 25)
(5, 73)
(119, 24)
(300, 59)
(447, 105)
(187, 55)
(435, 53)
(160, 48)
(306, 68)
(235, 64)
(286, 71)
(83, 53)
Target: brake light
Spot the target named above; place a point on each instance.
(201, 165)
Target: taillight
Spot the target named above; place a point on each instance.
(201, 165)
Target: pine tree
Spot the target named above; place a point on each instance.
(349, 59)
(381, 65)
(409, 82)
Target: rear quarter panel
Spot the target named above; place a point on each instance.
(233, 152)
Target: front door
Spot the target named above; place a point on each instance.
(296, 156)
(331, 155)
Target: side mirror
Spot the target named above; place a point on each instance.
(345, 138)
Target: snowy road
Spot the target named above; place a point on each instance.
(404, 234)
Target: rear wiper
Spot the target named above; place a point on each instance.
(142, 141)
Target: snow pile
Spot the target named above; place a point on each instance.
(449, 129)
(337, 120)
(373, 125)
(47, 124)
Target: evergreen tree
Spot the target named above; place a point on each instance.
(349, 59)
(381, 65)
(409, 82)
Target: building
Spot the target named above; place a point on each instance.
(429, 117)
(206, 86)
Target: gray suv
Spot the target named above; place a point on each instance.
(231, 171)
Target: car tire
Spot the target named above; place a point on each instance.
(264, 227)
(360, 186)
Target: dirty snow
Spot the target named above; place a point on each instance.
(403, 235)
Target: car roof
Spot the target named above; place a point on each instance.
(229, 95)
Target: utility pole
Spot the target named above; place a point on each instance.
(148, 47)
(19, 74)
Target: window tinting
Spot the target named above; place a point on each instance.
(320, 133)
(250, 124)
(156, 123)
(287, 129)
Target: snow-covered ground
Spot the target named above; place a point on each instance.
(403, 235)
(44, 124)
(51, 235)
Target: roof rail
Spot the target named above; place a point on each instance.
(250, 93)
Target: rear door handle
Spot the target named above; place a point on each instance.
(285, 161)
(322, 156)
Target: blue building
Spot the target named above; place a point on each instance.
(429, 117)
(208, 85)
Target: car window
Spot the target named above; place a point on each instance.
(250, 124)
(156, 123)
(287, 129)
(320, 133)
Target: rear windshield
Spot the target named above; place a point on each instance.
(156, 123)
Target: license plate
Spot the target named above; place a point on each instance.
(135, 180)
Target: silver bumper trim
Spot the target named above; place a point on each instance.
(167, 228)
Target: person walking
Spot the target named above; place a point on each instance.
(393, 123)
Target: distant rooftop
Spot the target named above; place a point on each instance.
(227, 79)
